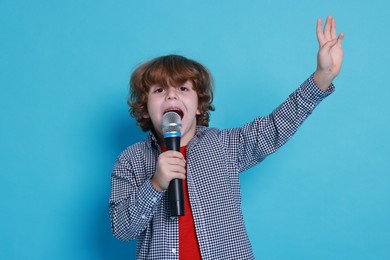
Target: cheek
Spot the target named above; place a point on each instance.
(154, 114)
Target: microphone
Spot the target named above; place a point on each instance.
(171, 126)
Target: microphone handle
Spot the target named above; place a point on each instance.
(175, 189)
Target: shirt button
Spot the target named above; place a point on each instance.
(143, 216)
(174, 250)
(154, 199)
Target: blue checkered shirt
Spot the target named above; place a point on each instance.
(214, 160)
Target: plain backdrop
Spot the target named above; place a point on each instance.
(64, 72)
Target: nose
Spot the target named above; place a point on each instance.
(171, 93)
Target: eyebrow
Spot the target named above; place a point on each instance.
(157, 85)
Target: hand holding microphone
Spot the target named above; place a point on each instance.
(170, 165)
(170, 169)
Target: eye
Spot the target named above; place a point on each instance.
(158, 90)
(183, 88)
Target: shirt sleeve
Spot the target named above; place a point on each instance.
(132, 201)
(251, 143)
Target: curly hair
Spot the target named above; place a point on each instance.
(170, 70)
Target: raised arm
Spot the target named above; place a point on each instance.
(330, 54)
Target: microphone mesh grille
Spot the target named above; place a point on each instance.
(171, 122)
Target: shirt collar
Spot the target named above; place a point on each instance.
(151, 139)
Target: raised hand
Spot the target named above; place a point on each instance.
(330, 54)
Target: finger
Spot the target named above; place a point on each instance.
(327, 28)
(320, 34)
(179, 176)
(327, 46)
(334, 42)
(173, 171)
(340, 38)
(175, 161)
(177, 169)
(333, 29)
(172, 154)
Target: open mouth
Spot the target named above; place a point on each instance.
(176, 110)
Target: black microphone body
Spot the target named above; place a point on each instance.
(171, 127)
(175, 190)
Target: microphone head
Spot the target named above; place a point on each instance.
(171, 124)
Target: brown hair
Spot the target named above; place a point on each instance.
(171, 70)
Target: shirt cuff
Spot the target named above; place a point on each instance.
(149, 195)
(312, 92)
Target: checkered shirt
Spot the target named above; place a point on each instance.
(214, 160)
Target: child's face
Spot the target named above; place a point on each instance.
(182, 99)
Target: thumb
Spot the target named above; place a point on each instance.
(340, 38)
(327, 46)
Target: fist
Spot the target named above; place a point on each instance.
(170, 165)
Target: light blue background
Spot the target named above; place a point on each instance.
(64, 71)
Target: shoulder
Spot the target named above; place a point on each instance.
(133, 149)
(211, 136)
(138, 150)
(205, 132)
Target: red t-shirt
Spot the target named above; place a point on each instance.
(188, 241)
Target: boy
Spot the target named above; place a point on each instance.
(210, 159)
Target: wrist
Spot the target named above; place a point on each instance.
(155, 185)
(323, 79)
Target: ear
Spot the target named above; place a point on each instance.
(198, 112)
(145, 115)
